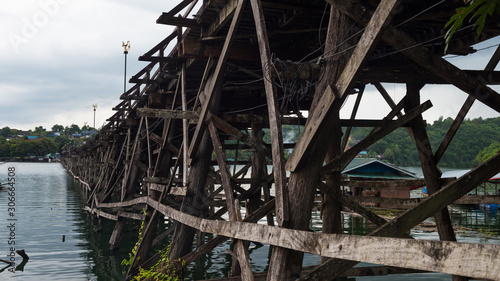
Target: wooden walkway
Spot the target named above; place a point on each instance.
(238, 67)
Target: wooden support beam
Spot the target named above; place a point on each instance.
(353, 117)
(167, 113)
(425, 57)
(431, 172)
(341, 161)
(217, 76)
(351, 204)
(353, 272)
(474, 260)
(463, 112)
(179, 7)
(277, 149)
(380, 18)
(409, 219)
(239, 135)
(223, 17)
(165, 18)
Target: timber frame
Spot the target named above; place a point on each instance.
(220, 76)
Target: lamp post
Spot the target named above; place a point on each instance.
(95, 107)
(126, 47)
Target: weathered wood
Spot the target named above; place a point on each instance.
(167, 114)
(409, 219)
(223, 17)
(353, 117)
(239, 135)
(366, 43)
(353, 272)
(165, 18)
(341, 161)
(431, 172)
(463, 112)
(185, 127)
(179, 7)
(351, 204)
(232, 206)
(401, 203)
(277, 149)
(425, 57)
(218, 72)
(474, 260)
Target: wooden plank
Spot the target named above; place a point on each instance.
(222, 17)
(101, 213)
(167, 113)
(239, 135)
(351, 204)
(232, 205)
(278, 156)
(353, 117)
(400, 203)
(218, 73)
(474, 260)
(179, 7)
(353, 272)
(165, 18)
(185, 128)
(463, 112)
(380, 18)
(409, 219)
(425, 57)
(341, 161)
(133, 216)
(178, 190)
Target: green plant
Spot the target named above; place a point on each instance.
(128, 263)
(482, 8)
(163, 270)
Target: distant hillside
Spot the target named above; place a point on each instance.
(471, 139)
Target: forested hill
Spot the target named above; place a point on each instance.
(468, 144)
(475, 141)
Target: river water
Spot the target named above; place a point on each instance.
(60, 239)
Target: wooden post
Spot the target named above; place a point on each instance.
(432, 174)
(281, 191)
(193, 201)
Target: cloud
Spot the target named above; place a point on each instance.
(58, 57)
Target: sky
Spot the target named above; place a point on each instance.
(59, 57)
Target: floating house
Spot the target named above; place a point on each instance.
(370, 177)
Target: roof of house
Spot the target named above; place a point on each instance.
(373, 168)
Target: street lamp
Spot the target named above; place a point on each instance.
(126, 47)
(95, 107)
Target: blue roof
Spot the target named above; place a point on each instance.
(373, 168)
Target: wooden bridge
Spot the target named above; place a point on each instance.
(236, 68)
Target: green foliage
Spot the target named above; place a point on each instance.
(162, 270)
(487, 153)
(7, 132)
(57, 128)
(23, 147)
(481, 9)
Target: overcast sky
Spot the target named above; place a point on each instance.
(59, 57)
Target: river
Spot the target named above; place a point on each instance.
(60, 239)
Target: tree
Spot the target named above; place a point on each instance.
(7, 132)
(482, 8)
(487, 153)
(73, 129)
(57, 128)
